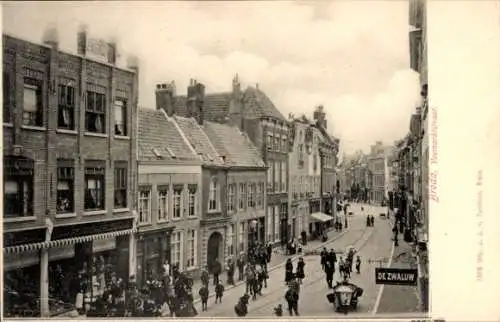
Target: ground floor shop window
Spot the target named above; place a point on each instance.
(22, 292)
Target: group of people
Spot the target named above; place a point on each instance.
(329, 260)
(370, 221)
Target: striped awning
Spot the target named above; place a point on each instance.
(65, 242)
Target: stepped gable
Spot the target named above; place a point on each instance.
(215, 106)
(258, 105)
(199, 140)
(233, 144)
(159, 138)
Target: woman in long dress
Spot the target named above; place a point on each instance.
(288, 271)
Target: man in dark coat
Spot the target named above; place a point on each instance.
(230, 271)
(241, 267)
(329, 271)
(332, 258)
(216, 270)
(269, 249)
(292, 299)
(205, 277)
(324, 255)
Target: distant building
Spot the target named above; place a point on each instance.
(69, 163)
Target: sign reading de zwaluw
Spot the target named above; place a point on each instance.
(396, 276)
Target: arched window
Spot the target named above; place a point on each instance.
(213, 201)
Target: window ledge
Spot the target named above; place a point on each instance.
(65, 215)
(142, 224)
(33, 128)
(177, 219)
(19, 219)
(66, 131)
(118, 210)
(8, 125)
(100, 135)
(192, 217)
(213, 211)
(94, 213)
(122, 137)
(162, 221)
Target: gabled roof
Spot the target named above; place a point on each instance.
(199, 140)
(258, 105)
(233, 144)
(215, 106)
(159, 139)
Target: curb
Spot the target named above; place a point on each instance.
(275, 267)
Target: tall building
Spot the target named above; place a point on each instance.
(70, 168)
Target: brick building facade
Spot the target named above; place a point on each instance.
(69, 165)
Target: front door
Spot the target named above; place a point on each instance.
(214, 250)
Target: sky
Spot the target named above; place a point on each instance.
(352, 56)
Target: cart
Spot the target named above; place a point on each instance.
(345, 296)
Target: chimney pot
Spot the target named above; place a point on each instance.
(51, 36)
(132, 62)
(82, 39)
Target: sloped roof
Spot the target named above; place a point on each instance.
(257, 104)
(159, 139)
(215, 106)
(199, 140)
(233, 144)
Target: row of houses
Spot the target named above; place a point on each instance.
(369, 177)
(91, 179)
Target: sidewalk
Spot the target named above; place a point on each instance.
(278, 260)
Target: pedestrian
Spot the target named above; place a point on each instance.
(216, 270)
(278, 311)
(166, 268)
(372, 220)
(250, 278)
(230, 272)
(324, 257)
(368, 221)
(332, 258)
(241, 266)
(269, 250)
(303, 235)
(241, 308)
(204, 276)
(329, 271)
(358, 264)
(292, 299)
(288, 270)
(300, 269)
(204, 297)
(262, 277)
(219, 291)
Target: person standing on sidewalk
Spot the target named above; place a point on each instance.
(288, 271)
(204, 297)
(216, 270)
(329, 271)
(241, 267)
(205, 277)
(230, 271)
(219, 292)
(269, 249)
(324, 257)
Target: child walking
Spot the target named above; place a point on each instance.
(204, 297)
(219, 291)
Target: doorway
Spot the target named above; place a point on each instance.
(214, 250)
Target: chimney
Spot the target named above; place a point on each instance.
(236, 86)
(257, 85)
(81, 39)
(112, 52)
(51, 36)
(235, 113)
(165, 97)
(195, 98)
(133, 62)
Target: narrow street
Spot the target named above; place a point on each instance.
(372, 243)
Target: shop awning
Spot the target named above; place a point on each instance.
(319, 216)
(65, 242)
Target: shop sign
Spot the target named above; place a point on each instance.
(102, 245)
(63, 232)
(16, 261)
(396, 276)
(24, 237)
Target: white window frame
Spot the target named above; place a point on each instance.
(283, 176)
(270, 227)
(177, 238)
(241, 196)
(277, 223)
(177, 200)
(241, 237)
(192, 198)
(214, 198)
(163, 203)
(192, 249)
(251, 195)
(230, 240)
(144, 205)
(231, 197)
(259, 196)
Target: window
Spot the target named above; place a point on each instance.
(6, 98)
(120, 109)
(283, 176)
(301, 155)
(242, 195)
(269, 141)
(213, 202)
(251, 195)
(270, 176)
(276, 176)
(260, 195)
(94, 186)
(315, 162)
(65, 186)
(192, 248)
(301, 188)
(270, 226)
(162, 203)
(192, 200)
(32, 103)
(230, 240)
(241, 237)
(277, 143)
(66, 111)
(144, 206)
(95, 110)
(120, 185)
(18, 190)
(276, 223)
(284, 144)
(176, 249)
(177, 201)
(231, 197)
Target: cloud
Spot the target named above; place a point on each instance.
(350, 56)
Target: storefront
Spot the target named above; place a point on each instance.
(153, 249)
(39, 273)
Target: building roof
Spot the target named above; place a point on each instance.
(159, 139)
(235, 146)
(258, 104)
(199, 140)
(215, 106)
